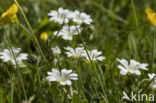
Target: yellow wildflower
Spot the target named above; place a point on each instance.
(10, 16)
(44, 36)
(151, 16)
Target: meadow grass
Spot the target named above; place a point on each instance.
(120, 30)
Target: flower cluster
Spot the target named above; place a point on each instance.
(80, 52)
(65, 76)
(64, 16)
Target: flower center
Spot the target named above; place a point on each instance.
(12, 58)
(61, 16)
(62, 80)
(69, 34)
(131, 68)
(79, 18)
(77, 57)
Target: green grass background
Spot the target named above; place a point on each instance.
(114, 32)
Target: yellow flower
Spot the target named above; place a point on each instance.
(10, 16)
(44, 36)
(151, 16)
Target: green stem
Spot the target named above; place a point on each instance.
(93, 84)
(53, 39)
(11, 51)
(106, 99)
(148, 84)
(12, 89)
(31, 30)
(92, 81)
(8, 72)
(56, 35)
(38, 73)
(154, 44)
(23, 27)
(135, 16)
(139, 84)
(93, 68)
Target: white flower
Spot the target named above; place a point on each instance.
(80, 17)
(132, 68)
(151, 76)
(59, 16)
(56, 50)
(67, 32)
(64, 77)
(7, 55)
(94, 55)
(76, 53)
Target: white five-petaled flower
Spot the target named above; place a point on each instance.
(133, 67)
(7, 55)
(76, 53)
(151, 76)
(94, 55)
(67, 32)
(64, 77)
(80, 17)
(59, 16)
(56, 50)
